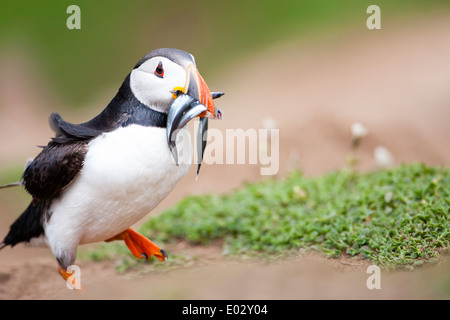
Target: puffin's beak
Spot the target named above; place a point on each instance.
(197, 88)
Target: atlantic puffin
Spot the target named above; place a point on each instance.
(96, 179)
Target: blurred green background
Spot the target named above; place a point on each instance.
(115, 34)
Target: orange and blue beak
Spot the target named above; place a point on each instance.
(197, 88)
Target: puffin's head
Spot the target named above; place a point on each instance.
(163, 74)
(167, 80)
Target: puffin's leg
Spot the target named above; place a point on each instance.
(64, 261)
(64, 243)
(140, 246)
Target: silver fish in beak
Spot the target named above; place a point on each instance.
(183, 109)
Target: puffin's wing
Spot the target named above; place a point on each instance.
(54, 168)
(67, 132)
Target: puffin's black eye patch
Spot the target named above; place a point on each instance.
(159, 71)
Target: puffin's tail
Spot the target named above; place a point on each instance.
(27, 226)
(9, 185)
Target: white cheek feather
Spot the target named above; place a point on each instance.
(148, 91)
(126, 174)
(153, 91)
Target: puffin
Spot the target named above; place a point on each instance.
(96, 179)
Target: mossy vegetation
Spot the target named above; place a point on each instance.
(394, 217)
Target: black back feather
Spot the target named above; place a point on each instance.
(67, 132)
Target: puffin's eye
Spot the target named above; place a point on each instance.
(159, 71)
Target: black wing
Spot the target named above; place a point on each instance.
(48, 174)
(61, 160)
(54, 168)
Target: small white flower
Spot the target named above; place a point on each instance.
(299, 192)
(358, 130)
(388, 196)
(383, 157)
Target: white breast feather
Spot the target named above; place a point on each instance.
(126, 174)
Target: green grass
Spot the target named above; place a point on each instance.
(394, 218)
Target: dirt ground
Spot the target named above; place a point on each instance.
(395, 81)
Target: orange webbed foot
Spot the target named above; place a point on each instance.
(140, 246)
